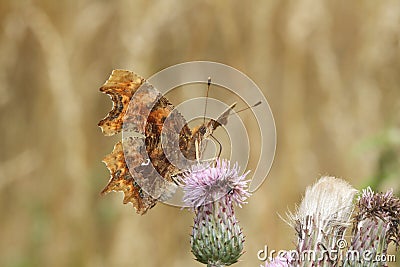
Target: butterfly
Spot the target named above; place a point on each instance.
(144, 166)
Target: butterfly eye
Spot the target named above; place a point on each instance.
(203, 130)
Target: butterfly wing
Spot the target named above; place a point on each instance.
(120, 86)
(139, 167)
(122, 180)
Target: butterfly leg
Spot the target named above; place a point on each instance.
(196, 144)
(178, 180)
(219, 144)
(219, 151)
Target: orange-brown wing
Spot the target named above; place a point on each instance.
(122, 180)
(120, 86)
(167, 135)
(138, 166)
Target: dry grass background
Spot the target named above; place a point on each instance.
(330, 70)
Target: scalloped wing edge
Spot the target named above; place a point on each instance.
(120, 87)
(121, 180)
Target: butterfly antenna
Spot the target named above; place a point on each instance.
(208, 89)
(253, 106)
(236, 112)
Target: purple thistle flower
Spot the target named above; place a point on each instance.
(384, 206)
(377, 224)
(205, 184)
(212, 192)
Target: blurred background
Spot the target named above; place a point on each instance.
(330, 71)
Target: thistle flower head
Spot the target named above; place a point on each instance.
(212, 192)
(376, 225)
(380, 206)
(205, 184)
(328, 201)
(323, 216)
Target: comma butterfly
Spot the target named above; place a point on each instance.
(146, 156)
